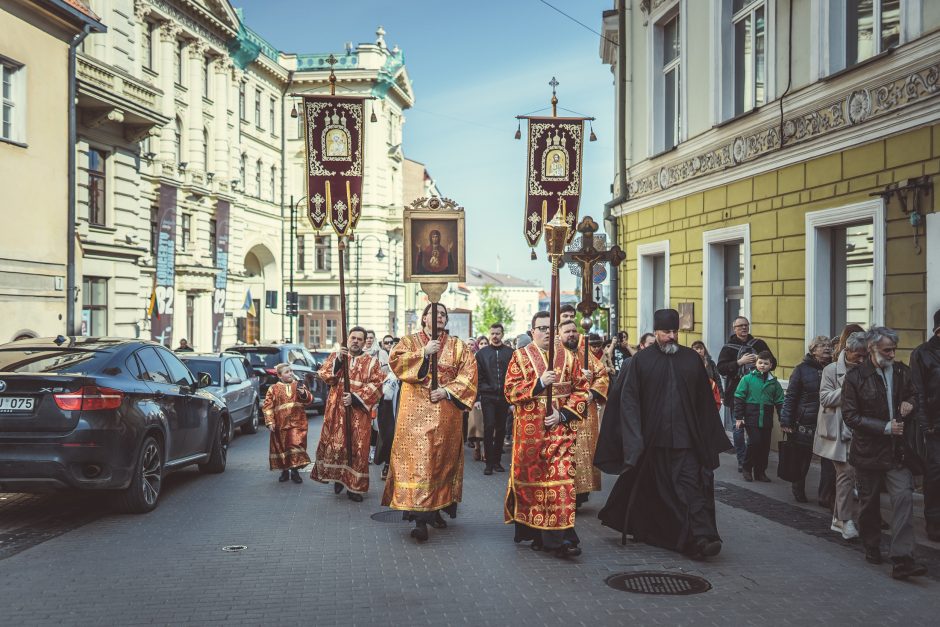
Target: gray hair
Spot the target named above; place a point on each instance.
(819, 340)
(857, 342)
(876, 334)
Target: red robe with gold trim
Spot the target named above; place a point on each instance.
(332, 460)
(426, 470)
(588, 478)
(284, 414)
(541, 492)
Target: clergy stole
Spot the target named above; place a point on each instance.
(283, 409)
(587, 477)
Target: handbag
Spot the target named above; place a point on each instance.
(793, 459)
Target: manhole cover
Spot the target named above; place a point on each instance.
(232, 548)
(388, 516)
(649, 582)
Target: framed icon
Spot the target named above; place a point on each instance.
(435, 250)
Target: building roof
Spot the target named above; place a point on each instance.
(82, 6)
(479, 277)
(75, 11)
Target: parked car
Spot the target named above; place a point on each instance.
(234, 381)
(104, 414)
(265, 357)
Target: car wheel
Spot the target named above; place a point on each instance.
(251, 426)
(219, 452)
(142, 494)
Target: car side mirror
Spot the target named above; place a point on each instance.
(203, 380)
(232, 380)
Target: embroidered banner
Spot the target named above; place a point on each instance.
(221, 277)
(334, 143)
(553, 175)
(162, 297)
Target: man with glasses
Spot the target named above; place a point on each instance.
(736, 359)
(492, 362)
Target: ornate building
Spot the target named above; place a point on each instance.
(777, 160)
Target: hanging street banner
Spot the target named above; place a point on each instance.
(554, 174)
(162, 296)
(221, 277)
(333, 132)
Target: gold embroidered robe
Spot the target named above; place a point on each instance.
(426, 469)
(332, 458)
(283, 411)
(588, 478)
(541, 492)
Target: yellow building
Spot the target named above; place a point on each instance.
(35, 45)
(777, 160)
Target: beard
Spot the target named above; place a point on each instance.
(571, 344)
(670, 348)
(883, 362)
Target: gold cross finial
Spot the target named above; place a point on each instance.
(332, 60)
(554, 83)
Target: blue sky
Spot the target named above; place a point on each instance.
(474, 67)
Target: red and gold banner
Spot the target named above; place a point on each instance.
(553, 178)
(333, 130)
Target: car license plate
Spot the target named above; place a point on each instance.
(16, 404)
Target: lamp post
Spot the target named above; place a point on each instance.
(379, 255)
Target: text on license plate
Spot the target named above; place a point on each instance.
(11, 404)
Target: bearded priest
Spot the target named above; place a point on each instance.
(541, 496)
(425, 475)
(346, 462)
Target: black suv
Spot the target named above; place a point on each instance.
(234, 381)
(104, 414)
(265, 357)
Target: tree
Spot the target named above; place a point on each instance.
(490, 311)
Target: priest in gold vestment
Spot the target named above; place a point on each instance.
(425, 475)
(541, 497)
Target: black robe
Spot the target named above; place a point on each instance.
(664, 496)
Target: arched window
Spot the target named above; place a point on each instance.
(205, 150)
(258, 179)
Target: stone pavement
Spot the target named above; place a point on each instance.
(315, 558)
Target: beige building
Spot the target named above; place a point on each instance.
(35, 42)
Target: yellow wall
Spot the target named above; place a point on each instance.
(775, 205)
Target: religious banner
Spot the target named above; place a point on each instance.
(161, 299)
(553, 178)
(333, 135)
(221, 277)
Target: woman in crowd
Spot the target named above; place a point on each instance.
(801, 409)
(699, 347)
(833, 437)
(839, 344)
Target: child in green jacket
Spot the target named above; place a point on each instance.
(757, 395)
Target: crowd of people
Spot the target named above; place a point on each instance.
(655, 414)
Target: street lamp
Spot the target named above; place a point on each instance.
(379, 255)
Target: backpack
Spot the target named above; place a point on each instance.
(744, 349)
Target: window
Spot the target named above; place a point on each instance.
(670, 82)
(179, 373)
(301, 257)
(185, 230)
(271, 116)
(153, 368)
(178, 140)
(750, 54)
(733, 286)
(147, 43)
(205, 150)
(273, 182)
(726, 282)
(652, 282)
(213, 238)
(871, 27)
(258, 178)
(205, 77)
(231, 373)
(331, 331)
(321, 253)
(12, 122)
(241, 102)
(96, 186)
(94, 306)
(190, 316)
(243, 170)
(180, 45)
(154, 231)
(258, 108)
(300, 119)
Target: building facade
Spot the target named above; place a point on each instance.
(778, 162)
(34, 161)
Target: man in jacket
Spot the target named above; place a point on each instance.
(735, 360)
(492, 362)
(925, 373)
(877, 401)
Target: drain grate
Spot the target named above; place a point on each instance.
(388, 516)
(232, 548)
(650, 582)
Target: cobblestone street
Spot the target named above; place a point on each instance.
(314, 558)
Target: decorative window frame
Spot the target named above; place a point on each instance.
(818, 268)
(19, 100)
(713, 284)
(722, 49)
(656, 85)
(644, 307)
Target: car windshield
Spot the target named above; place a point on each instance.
(203, 365)
(51, 360)
(266, 360)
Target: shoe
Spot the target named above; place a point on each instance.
(704, 547)
(295, 476)
(905, 567)
(567, 550)
(337, 488)
(799, 492)
(499, 468)
(849, 530)
(438, 522)
(488, 470)
(762, 477)
(420, 532)
(873, 555)
(384, 472)
(746, 475)
(477, 454)
(536, 546)
(355, 498)
(285, 475)
(836, 525)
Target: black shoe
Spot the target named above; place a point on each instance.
(355, 498)
(438, 522)
(762, 477)
(488, 470)
(285, 475)
(567, 550)
(799, 492)
(384, 472)
(704, 547)
(420, 532)
(337, 488)
(536, 546)
(905, 567)
(873, 555)
(295, 476)
(747, 476)
(499, 468)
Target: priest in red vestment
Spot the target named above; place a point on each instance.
(541, 495)
(347, 464)
(284, 415)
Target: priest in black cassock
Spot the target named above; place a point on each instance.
(663, 438)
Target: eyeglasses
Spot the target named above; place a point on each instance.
(542, 329)
(742, 326)
(387, 342)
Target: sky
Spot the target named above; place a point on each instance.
(474, 67)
